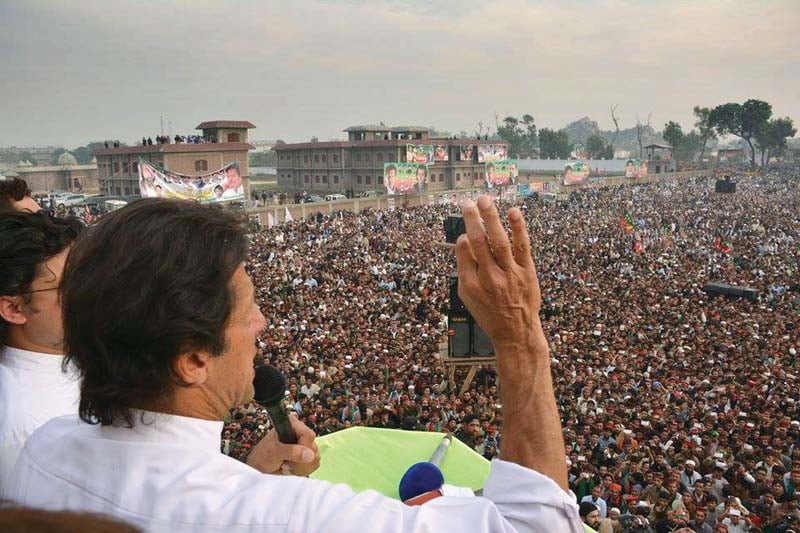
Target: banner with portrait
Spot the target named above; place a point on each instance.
(576, 172)
(405, 178)
(501, 173)
(440, 153)
(492, 152)
(222, 185)
(635, 168)
(466, 152)
(419, 153)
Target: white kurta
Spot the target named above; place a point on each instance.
(168, 474)
(33, 389)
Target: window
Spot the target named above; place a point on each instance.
(458, 177)
(126, 167)
(380, 158)
(135, 167)
(316, 178)
(380, 180)
(358, 180)
(305, 158)
(316, 158)
(200, 165)
(441, 177)
(306, 179)
(127, 191)
(368, 180)
(233, 137)
(324, 158)
(116, 167)
(324, 178)
(335, 158)
(481, 175)
(335, 178)
(136, 191)
(358, 156)
(118, 191)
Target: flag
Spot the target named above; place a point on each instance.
(626, 222)
(270, 220)
(287, 217)
(720, 246)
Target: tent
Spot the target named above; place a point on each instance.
(372, 458)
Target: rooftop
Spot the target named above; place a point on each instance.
(380, 142)
(233, 124)
(175, 148)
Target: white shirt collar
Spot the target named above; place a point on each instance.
(27, 360)
(169, 429)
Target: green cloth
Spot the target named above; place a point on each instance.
(372, 458)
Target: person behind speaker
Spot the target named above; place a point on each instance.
(165, 355)
(33, 386)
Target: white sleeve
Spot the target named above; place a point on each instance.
(515, 499)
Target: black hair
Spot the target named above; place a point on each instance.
(12, 190)
(27, 241)
(143, 285)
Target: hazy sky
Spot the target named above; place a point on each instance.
(73, 72)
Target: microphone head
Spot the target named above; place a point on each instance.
(269, 385)
(419, 479)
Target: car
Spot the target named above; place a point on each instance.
(70, 200)
(334, 197)
(310, 199)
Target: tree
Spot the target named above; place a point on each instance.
(55, 155)
(640, 129)
(265, 158)
(771, 138)
(27, 156)
(554, 144)
(520, 134)
(616, 129)
(704, 127)
(595, 147)
(673, 134)
(743, 120)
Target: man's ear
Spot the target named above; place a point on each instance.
(192, 368)
(11, 310)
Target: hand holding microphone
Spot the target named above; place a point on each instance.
(290, 447)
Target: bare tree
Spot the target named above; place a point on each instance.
(616, 124)
(640, 132)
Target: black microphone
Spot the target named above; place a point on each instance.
(270, 388)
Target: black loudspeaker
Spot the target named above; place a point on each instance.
(725, 186)
(730, 291)
(455, 302)
(481, 343)
(460, 340)
(453, 227)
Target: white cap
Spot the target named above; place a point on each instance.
(735, 512)
(690, 462)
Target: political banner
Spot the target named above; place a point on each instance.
(501, 173)
(635, 168)
(576, 172)
(466, 153)
(440, 153)
(222, 185)
(419, 153)
(492, 152)
(405, 178)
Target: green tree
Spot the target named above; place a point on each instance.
(771, 138)
(704, 127)
(266, 158)
(673, 134)
(597, 148)
(743, 120)
(520, 134)
(554, 144)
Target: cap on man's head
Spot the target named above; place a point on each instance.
(586, 508)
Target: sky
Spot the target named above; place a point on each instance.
(75, 72)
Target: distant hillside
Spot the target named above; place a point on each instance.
(582, 129)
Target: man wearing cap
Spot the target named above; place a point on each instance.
(732, 519)
(590, 515)
(689, 476)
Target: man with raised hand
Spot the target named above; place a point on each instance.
(167, 353)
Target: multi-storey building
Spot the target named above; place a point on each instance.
(357, 163)
(224, 141)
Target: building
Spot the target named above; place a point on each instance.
(357, 163)
(224, 141)
(67, 175)
(659, 158)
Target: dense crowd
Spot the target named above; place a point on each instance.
(677, 408)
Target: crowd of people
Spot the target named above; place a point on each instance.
(679, 409)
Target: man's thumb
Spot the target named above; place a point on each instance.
(295, 453)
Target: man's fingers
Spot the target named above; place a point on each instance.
(493, 227)
(295, 453)
(522, 241)
(476, 235)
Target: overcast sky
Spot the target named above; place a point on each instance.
(73, 72)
